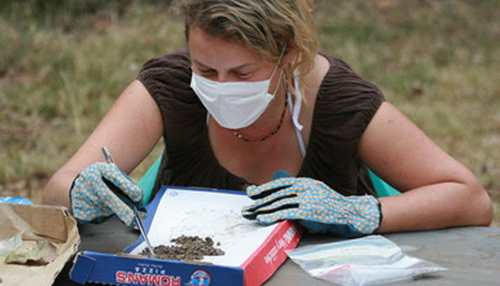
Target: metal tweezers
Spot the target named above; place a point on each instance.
(124, 198)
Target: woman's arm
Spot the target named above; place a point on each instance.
(130, 130)
(437, 190)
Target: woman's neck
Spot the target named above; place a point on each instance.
(269, 121)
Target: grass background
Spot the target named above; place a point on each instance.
(63, 63)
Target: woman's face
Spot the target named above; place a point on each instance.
(223, 61)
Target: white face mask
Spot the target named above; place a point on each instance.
(235, 104)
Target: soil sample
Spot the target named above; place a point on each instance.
(186, 248)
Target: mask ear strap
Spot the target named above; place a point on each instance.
(298, 101)
(295, 111)
(279, 62)
(275, 69)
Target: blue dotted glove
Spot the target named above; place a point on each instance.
(102, 190)
(315, 205)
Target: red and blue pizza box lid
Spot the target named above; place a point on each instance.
(252, 252)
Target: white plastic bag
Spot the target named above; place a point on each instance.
(364, 261)
(10, 244)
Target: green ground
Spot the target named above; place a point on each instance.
(63, 63)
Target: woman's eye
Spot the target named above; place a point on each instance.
(206, 71)
(242, 74)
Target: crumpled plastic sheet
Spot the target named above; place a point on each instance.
(10, 244)
(39, 252)
(370, 260)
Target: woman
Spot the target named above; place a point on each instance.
(250, 96)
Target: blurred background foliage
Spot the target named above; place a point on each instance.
(63, 63)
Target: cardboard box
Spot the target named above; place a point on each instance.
(37, 223)
(252, 252)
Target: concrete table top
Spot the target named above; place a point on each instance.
(471, 254)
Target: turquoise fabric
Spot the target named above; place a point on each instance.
(147, 182)
(383, 189)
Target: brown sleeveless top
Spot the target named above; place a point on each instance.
(344, 106)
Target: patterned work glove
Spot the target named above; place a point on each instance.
(102, 190)
(315, 205)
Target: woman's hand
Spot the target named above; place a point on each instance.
(315, 205)
(95, 194)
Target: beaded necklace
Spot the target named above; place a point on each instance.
(265, 137)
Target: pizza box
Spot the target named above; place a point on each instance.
(252, 252)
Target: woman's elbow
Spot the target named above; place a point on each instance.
(480, 204)
(486, 215)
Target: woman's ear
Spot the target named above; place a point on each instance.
(289, 57)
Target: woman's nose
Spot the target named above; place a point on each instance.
(222, 77)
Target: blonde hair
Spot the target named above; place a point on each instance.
(264, 26)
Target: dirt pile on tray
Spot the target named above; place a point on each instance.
(186, 248)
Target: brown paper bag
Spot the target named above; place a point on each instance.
(46, 227)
